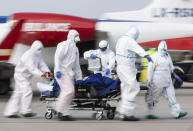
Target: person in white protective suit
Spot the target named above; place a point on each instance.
(31, 63)
(126, 50)
(106, 55)
(67, 68)
(160, 83)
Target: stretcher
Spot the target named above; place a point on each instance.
(95, 93)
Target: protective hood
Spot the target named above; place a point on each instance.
(103, 45)
(73, 36)
(36, 47)
(133, 32)
(162, 48)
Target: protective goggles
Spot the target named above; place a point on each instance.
(103, 49)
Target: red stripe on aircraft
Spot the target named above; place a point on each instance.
(3, 58)
(185, 43)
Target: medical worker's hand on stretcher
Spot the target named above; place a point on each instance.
(47, 74)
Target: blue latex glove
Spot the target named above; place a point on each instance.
(58, 75)
(107, 71)
(177, 81)
(173, 74)
(148, 58)
(93, 56)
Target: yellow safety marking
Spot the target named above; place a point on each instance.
(5, 52)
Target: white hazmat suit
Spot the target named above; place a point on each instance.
(107, 57)
(126, 50)
(67, 63)
(160, 81)
(31, 63)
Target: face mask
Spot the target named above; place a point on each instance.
(136, 36)
(39, 51)
(77, 39)
(103, 49)
(164, 52)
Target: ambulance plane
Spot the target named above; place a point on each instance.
(170, 20)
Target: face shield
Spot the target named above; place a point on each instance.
(162, 48)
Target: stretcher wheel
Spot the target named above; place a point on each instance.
(48, 115)
(110, 114)
(99, 115)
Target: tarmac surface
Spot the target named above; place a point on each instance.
(86, 122)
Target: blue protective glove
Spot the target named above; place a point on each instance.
(173, 74)
(58, 75)
(148, 58)
(93, 56)
(107, 71)
(177, 81)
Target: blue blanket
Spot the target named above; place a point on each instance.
(102, 84)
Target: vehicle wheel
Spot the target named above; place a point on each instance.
(99, 115)
(48, 115)
(4, 88)
(110, 114)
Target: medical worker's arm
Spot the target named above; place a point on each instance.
(171, 63)
(149, 72)
(150, 69)
(135, 47)
(61, 51)
(87, 54)
(77, 70)
(111, 65)
(32, 68)
(43, 67)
